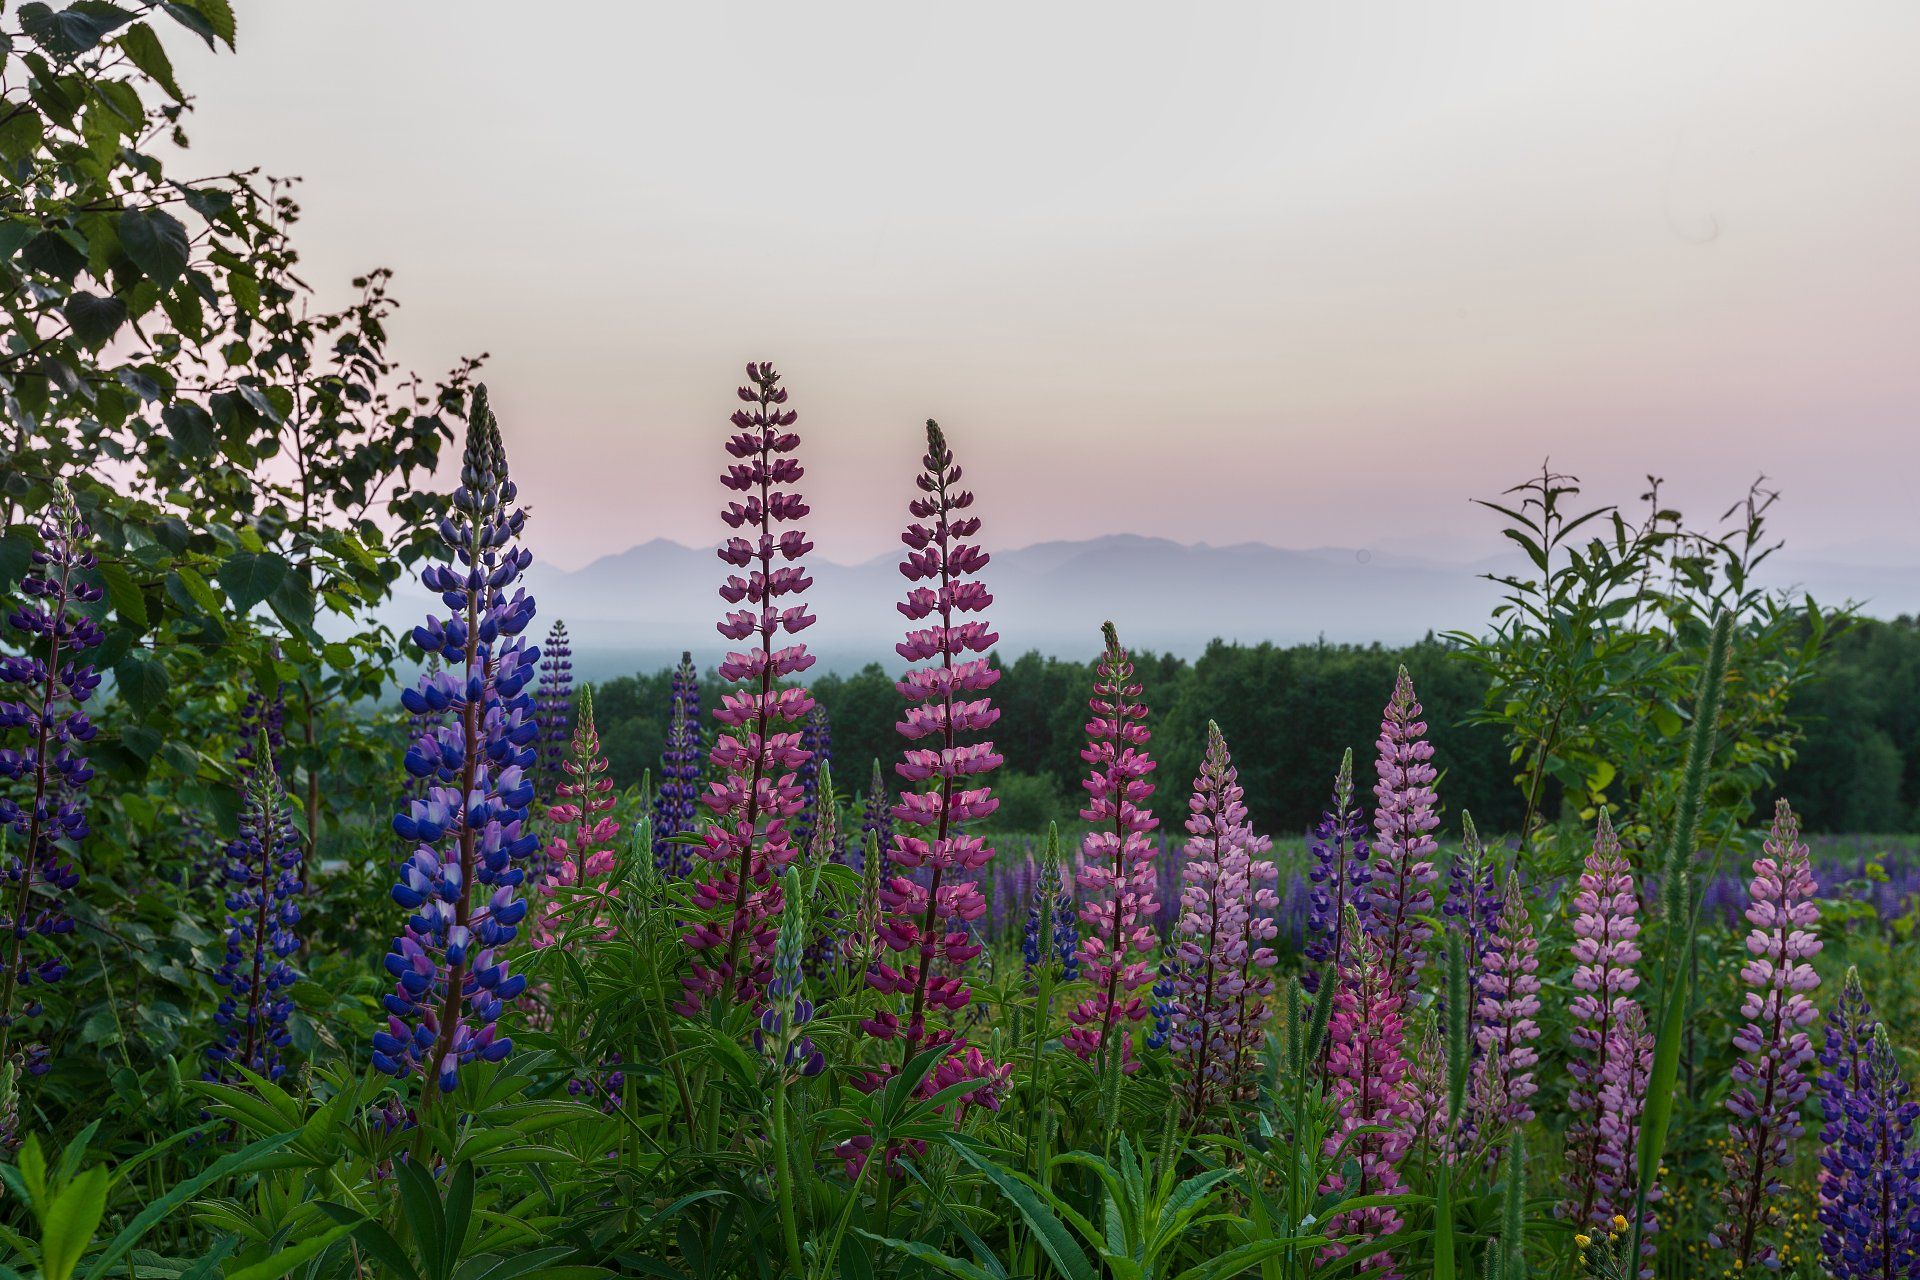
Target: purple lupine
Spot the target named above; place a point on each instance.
(1507, 1019)
(1221, 983)
(1367, 1069)
(51, 774)
(263, 720)
(1870, 1164)
(816, 738)
(945, 700)
(1606, 929)
(748, 844)
(1052, 935)
(1403, 848)
(1770, 1082)
(781, 1035)
(553, 704)
(470, 832)
(876, 819)
(263, 887)
(1340, 875)
(1116, 872)
(680, 765)
(1622, 1092)
(1473, 899)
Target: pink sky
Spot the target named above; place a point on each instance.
(1308, 274)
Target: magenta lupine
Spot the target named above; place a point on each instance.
(580, 853)
(757, 752)
(1341, 873)
(1403, 846)
(1770, 1083)
(1606, 931)
(1116, 874)
(1508, 1020)
(1221, 982)
(468, 832)
(1367, 1070)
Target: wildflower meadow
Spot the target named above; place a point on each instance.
(336, 949)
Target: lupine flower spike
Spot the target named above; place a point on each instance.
(781, 1034)
(1116, 875)
(1340, 875)
(1368, 1070)
(553, 705)
(47, 685)
(758, 751)
(1222, 984)
(816, 737)
(1870, 1181)
(1403, 848)
(1052, 935)
(1770, 1083)
(263, 888)
(1508, 1026)
(1473, 899)
(926, 923)
(471, 841)
(680, 765)
(581, 856)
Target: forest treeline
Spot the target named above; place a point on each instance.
(1289, 711)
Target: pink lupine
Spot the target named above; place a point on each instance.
(1507, 1023)
(1622, 1091)
(1221, 981)
(1403, 822)
(1606, 930)
(1770, 1083)
(580, 856)
(1116, 874)
(1368, 1069)
(757, 751)
(945, 700)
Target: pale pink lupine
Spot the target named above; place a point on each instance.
(1770, 1083)
(1116, 874)
(580, 854)
(1507, 1025)
(1403, 848)
(1221, 980)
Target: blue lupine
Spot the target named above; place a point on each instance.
(263, 721)
(876, 819)
(1870, 1194)
(1051, 911)
(553, 704)
(788, 1010)
(262, 876)
(1166, 1003)
(49, 769)
(680, 766)
(1342, 870)
(470, 831)
(816, 736)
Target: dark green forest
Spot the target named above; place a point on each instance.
(1856, 766)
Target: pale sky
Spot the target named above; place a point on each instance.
(1312, 274)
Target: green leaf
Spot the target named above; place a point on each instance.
(72, 30)
(250, 577)
(20, 137)
(932, 1257)
(124, 594)
(294, 1255)
(156, 242)
(94, 318)
(144, 50)
(66, 1229)
(142, 683)
(1051, 1234)
(190, 429)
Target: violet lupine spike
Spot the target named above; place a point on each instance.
(1116, 874)
(1508, 1019)
(470, 832)
(1622, 1093)
(1435, 1139)
(263, 887)
(1052, 935)
(1403, 847)
(580, 854)
(553, 704)
(876, 819)
(816, 738)
(1870, 1162)
(1367, 1072)
(1606, 947)
(47, 770)
(1473, 897)
(675, 805)
(1341, 872)
(758, 749)
(1221, 982)
(1770, 1082)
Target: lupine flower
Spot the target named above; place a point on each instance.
(1473, 897)
(263, 720)
(861, 943)
(1340, 875)
(1052, 934)
(52, 683)
(680, 765)
(876, 816)
(580, 857)
(553, 704)
(1606, 931)
(1770, 1083)
(1870, 1167)
(263, 887)
(945, 700)
(780, 1035)
(1403, 823)
(1622, 1092)
(824, 845)
(469, 832)
(758, 750)
(1429, 1096)
(1116, 874)
(1507, 1018)
(1222, 984)
(816, 738)
(1166, 1004)
(1367, 1068)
